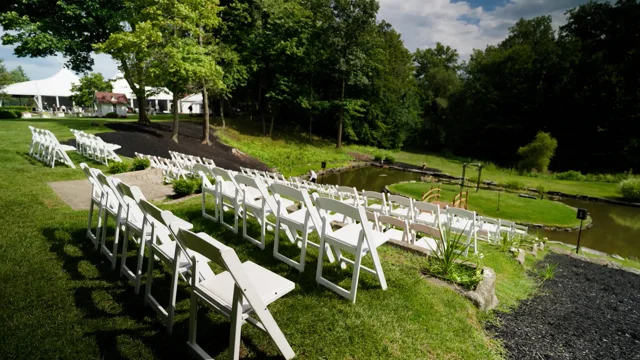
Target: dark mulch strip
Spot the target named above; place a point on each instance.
(586, 311)
(155, 139)
(415, 167)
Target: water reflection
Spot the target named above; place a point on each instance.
(616, 229)
(369, 178)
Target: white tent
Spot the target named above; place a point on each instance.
(195, 101)
(52, 88)
(161, 98)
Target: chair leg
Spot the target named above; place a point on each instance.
(125, 245)
(236, 324)
(193, 318)
(172, 295)
(355, 277)
(90, 235)
(147, 288)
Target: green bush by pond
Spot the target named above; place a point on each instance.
(512, 207)
(630, 189)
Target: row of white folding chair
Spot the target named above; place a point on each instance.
(95, 148)
(259, 203)
(171, 170)
(239, 293)
(186, 162)
(46, 148)
(140, 221)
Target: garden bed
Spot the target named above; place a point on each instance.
(155, 139)
(586, 311)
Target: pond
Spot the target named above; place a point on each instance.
(616, 228)
(369, 178)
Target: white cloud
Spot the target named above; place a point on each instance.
(422, 23)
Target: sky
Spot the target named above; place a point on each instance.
(462, 24)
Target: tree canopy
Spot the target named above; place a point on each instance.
(84, 92)
(331, 68)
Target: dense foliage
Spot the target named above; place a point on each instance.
(630, 189)
(329, 67)
(84, 92)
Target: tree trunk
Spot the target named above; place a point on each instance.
(339, 144)
(271, 126)
(261, 105)
(310, 122)
(205, 124)
(222, 112)
(143, 118)
(176, 117)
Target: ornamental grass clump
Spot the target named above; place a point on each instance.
(630, 189)
(445, 264)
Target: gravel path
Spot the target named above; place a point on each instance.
(586, 311)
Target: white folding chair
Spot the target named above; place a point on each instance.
(227, 195)
(400, 206)
(357, 238)
(257, 202)
(112, 208)
(241, 293)
(431, 238)
(58, 152)
(374, 201)
(348, 195)
(428, 214)
(306, 219)
(464, 222)
(393, 228)
(489, 229)
(98, 198)
(162, 245)
(507, 227)
(135, 228)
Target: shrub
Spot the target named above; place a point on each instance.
(541, 190)
(514, 185)
(571, 175)
(140, 164)
(377, 157)
(10, 114)
(111, 115)
(537, 154)
(118, 167)
(184, 187)
(630, 189)
(390, 159)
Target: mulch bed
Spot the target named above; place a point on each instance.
(587, 311)
(155, 139)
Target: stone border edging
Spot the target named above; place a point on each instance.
(484, 295)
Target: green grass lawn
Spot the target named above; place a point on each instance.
(60, 298)
(512, 207)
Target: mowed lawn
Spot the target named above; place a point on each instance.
(60, 298)
(512, 207)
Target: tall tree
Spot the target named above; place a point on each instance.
(40, 28)
(84, 91)
(350, 35)
(18, 75)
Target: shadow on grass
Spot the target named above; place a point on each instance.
(117, 319)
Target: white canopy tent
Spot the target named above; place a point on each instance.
(55, 89)
(161, 98)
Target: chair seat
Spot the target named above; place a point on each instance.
(400, 212)
(349, 235)
(427, 243)
(460, 225)
(394, 234)
(112, 146)
(268, 285)
(297, 217)
(430, 218)
(375, 207)
(491, 228)
(67, 147)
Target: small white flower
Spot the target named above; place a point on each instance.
(480, 256)
(536, 238)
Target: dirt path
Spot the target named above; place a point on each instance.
(155, 139)
(587, 311)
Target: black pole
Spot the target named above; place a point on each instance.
(499, 192)
(579, 233)
(479, 175)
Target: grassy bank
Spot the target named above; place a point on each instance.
(58, 290)
(454, 167)
(512, 207)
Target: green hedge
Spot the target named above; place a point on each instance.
(10, 114)
(630, 189)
